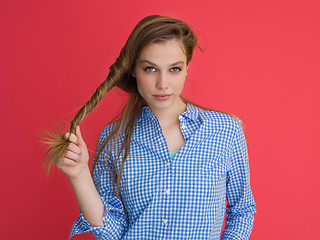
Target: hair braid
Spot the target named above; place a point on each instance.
(151, 29)
(57, 143)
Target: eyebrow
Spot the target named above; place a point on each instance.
(153, 64)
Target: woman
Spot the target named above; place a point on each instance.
(166, 168)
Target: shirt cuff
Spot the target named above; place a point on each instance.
(114, 221)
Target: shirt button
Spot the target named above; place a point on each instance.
(168, 191)
(165, 221)
(167, 164)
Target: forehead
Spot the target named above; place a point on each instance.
(171, 50)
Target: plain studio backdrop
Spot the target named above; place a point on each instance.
(260, 62)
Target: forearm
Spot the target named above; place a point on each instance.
(88, 199)
(241, 205)
(239, 224)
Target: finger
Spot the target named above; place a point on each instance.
(74, 148)
(64, 161)
(73, 138)
(67, 162)
(72, 156)
(66, 135)
(81, 141)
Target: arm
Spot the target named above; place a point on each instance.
(241, 205)
(88, 199)
(112, 217)
(75, 166)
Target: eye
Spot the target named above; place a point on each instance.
(175, 69)
(150, 69)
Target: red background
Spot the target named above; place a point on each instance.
(261, 63)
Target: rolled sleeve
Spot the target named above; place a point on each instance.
(241, 205)
(115, 218)
(114, 223)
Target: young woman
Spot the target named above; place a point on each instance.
(166, 168)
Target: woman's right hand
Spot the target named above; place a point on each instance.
(75, 161)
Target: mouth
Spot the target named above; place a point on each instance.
(162, 97)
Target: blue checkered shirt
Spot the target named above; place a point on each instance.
(185, 197)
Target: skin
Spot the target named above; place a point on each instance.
(75, 165)
(160, 69)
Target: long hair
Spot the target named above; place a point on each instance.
(151, 29)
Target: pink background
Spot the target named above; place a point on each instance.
(261, 63)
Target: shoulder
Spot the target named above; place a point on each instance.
(104, 143)
(106, 131)
(220, 119)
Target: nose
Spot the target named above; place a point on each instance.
(162, 81)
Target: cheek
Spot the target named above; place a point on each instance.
(180, 84)
(143, 85)
(140, 89)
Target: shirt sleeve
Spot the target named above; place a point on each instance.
(115, 218)
(241, 204)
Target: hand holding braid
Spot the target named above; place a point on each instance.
(58, 144)
(76, 157)
(151, 29)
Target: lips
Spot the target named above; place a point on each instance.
(162, 97)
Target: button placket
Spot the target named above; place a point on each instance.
(166, 192)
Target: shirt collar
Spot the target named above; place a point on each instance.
(192, 112)
(144, 113)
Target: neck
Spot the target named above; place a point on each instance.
(170, 115)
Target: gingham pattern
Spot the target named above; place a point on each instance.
(183, 197)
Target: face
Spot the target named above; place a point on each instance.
(160, 73)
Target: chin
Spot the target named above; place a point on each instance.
(163, 105)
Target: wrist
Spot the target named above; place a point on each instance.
(84, 175)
